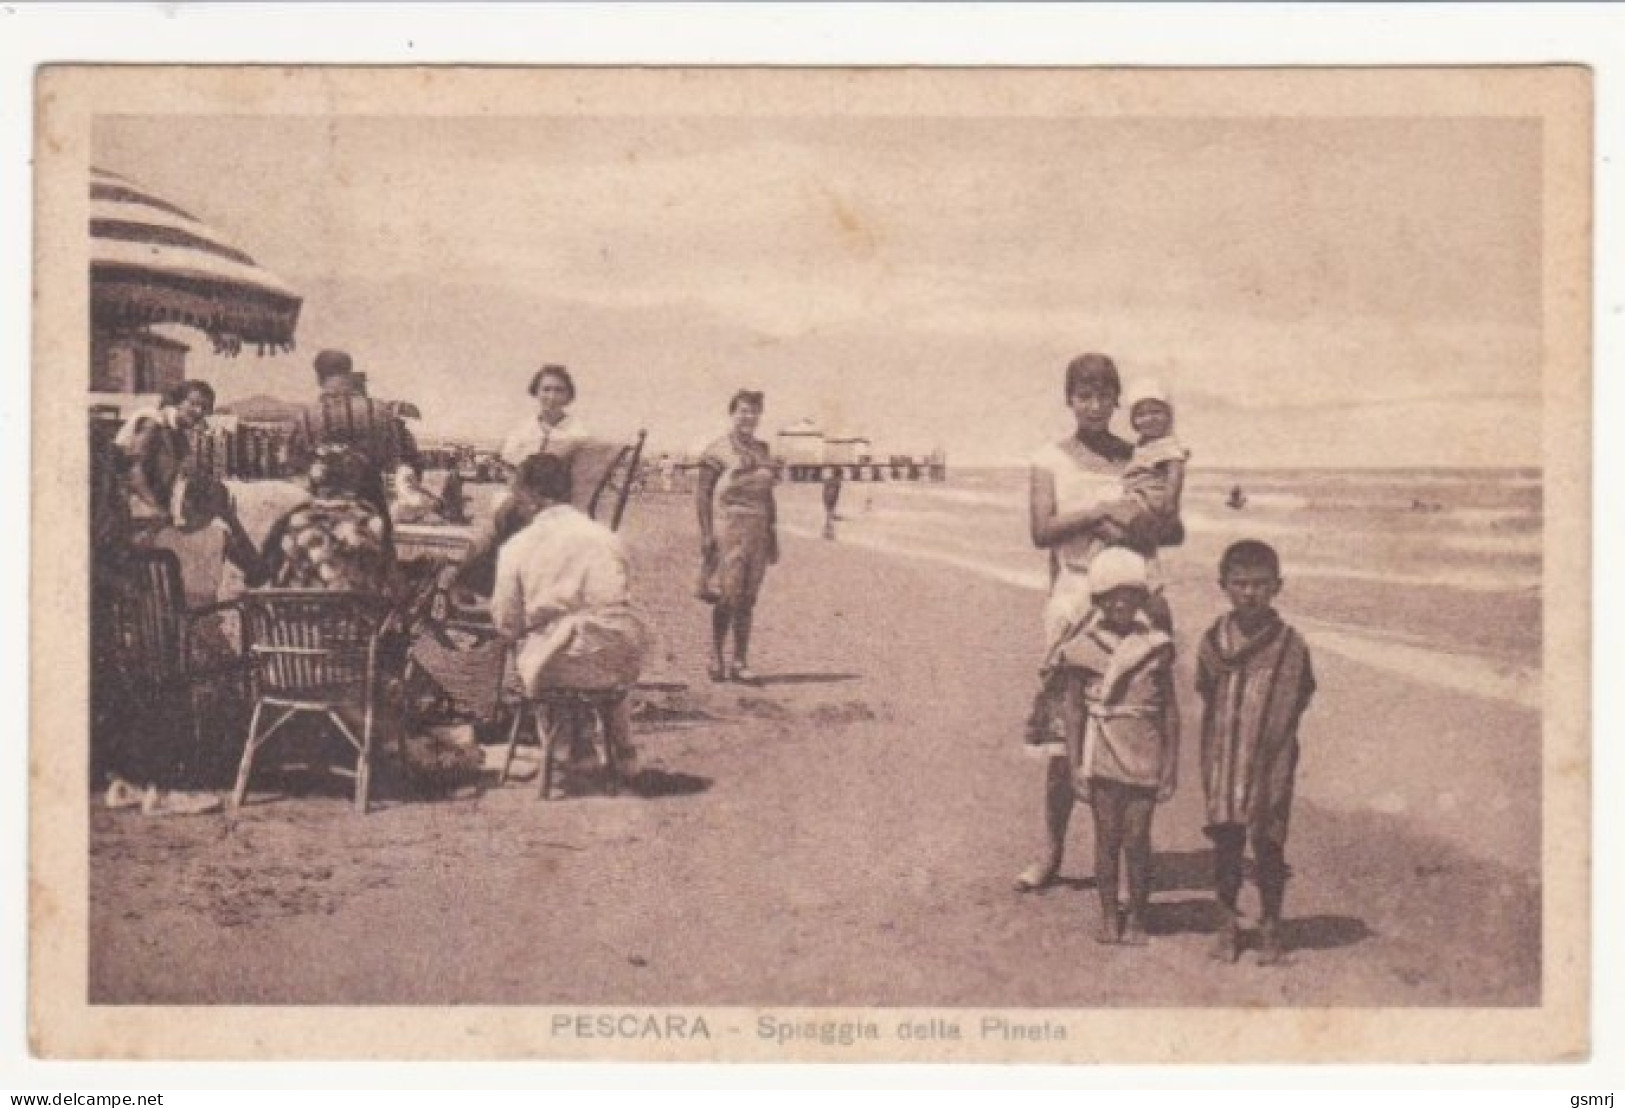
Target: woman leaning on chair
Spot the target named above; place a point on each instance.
(738, 533)
(553, 429)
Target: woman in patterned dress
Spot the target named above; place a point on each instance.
(336, 539)
(738, 533)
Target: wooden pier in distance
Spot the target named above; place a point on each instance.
(895, 469)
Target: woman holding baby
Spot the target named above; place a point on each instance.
(1089, 492)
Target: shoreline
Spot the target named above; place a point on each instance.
(1502, 673)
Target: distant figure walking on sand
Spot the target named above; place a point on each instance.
(832, 497)
(1120, 692)
(1255, 679)
(738, 533)
(553, 429)
(1075, 485)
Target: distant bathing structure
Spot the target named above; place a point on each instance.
(804, 452)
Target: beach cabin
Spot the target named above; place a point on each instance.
(846, 449)
(135, 362)
(799, 448)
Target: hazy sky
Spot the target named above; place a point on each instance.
(1315, 292)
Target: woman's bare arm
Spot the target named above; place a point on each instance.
(772, 528)
(242, 553)
(1050, 526)
(1176, 486)
(704, 489)
(143, 443)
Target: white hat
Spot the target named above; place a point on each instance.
(1116, 568)
(1148, 388)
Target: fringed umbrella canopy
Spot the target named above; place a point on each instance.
(151, 262)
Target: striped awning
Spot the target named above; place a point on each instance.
(151, 262)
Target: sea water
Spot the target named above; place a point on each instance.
(1435, 573)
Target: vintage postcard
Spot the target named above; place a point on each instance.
(812, 565)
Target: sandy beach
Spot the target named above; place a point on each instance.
(846, 834)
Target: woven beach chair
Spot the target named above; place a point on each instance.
(149, 658)
(314, 652)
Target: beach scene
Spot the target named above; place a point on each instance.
(797, 380)
(799, 844)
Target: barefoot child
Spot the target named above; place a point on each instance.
(1255, 680)
(1120, 696)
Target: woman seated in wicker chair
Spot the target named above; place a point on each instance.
(338, 540)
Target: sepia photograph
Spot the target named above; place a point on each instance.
(792, 565)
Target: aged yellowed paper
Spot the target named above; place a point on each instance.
(853, 323)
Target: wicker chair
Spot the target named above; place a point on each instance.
(146, 655)
(314, 652)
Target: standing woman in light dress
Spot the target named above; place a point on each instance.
(1076, 487)
(738, 533)
(552, 430)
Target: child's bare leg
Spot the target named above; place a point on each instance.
(743, 615)
(1109, 807)
(1271, 860)
(1138, 808)
(1229, 843)
(721, 621)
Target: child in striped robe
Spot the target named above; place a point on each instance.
(1255, 679)
(1123, 733)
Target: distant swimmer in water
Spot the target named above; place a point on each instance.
(1238, 499)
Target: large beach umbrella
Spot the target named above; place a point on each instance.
(151, 262)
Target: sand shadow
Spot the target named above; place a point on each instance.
(1074, 884)
(1182, 870)
(765, 680)
(1171, 871)
(292, 782)
(1200, 916)
(1193, 915)
(660, 686)
(1323, 932)
(658, 784)
(649, 717)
